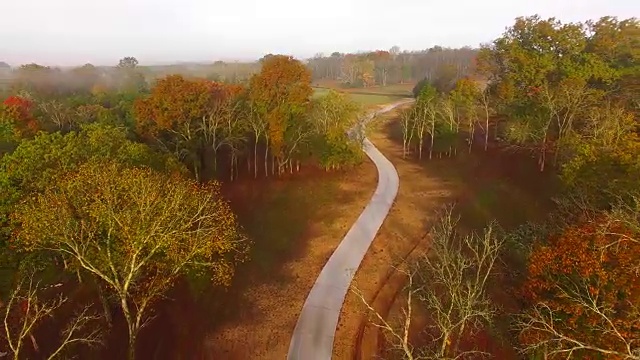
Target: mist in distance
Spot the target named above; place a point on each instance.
(75, 32)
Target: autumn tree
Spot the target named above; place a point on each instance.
(332, 116)
(172, 116)
(615, 41)
(426, 118)
(366, 71)
(421, 120)
(465, 96)
(382, 62)
(17, 114)
(35, 164)
(604, 163)
(222, 123)
(447, 124)
(349, 70)
(394, 66)
(134, 230)
(584, 290)
(542, 69)
(280, 94)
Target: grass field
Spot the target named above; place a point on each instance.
(371, 96)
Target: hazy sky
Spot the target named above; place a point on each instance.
(70, 32)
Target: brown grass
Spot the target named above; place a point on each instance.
(275, 287)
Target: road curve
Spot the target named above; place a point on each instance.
(314, 332)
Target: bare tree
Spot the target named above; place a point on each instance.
(556, 341)
(258, 127)
(408, 128)
(24, 311)
(57, 113)
(486, 108)
(449, 282)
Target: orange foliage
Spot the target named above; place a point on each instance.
(281, 90)
(18, 110)
(175, 102)
(594, 261)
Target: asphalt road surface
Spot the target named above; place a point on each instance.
(313, 335)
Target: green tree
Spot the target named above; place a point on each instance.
(536, 67)
(332, 116)
(135, 230)
(465, 96)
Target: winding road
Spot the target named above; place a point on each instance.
(314, 332)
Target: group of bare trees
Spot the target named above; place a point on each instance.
(448, 285)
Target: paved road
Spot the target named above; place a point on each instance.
(313, 335)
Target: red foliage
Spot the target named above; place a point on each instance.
(595, 262)
(18, 110)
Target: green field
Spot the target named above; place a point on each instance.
(370, 96)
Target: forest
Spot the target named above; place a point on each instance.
(564, 95)
(111, 187)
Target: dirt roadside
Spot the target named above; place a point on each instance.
(267, 309)
(401, 235)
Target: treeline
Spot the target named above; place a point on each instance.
(393, 66)
(568, 94)
(113, 190)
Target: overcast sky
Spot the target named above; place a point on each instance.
(72, 32)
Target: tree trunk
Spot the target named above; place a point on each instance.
(420, 149)
(132, 346)
(196, 171)
(431, 148)
(105, 306)
(443, 348)
(131, 326)
(273, 165)
(486, 132)
(266, 159)
(237, 167)
(255, 159)
(543, 153)
(34, 343)
(458, 339)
